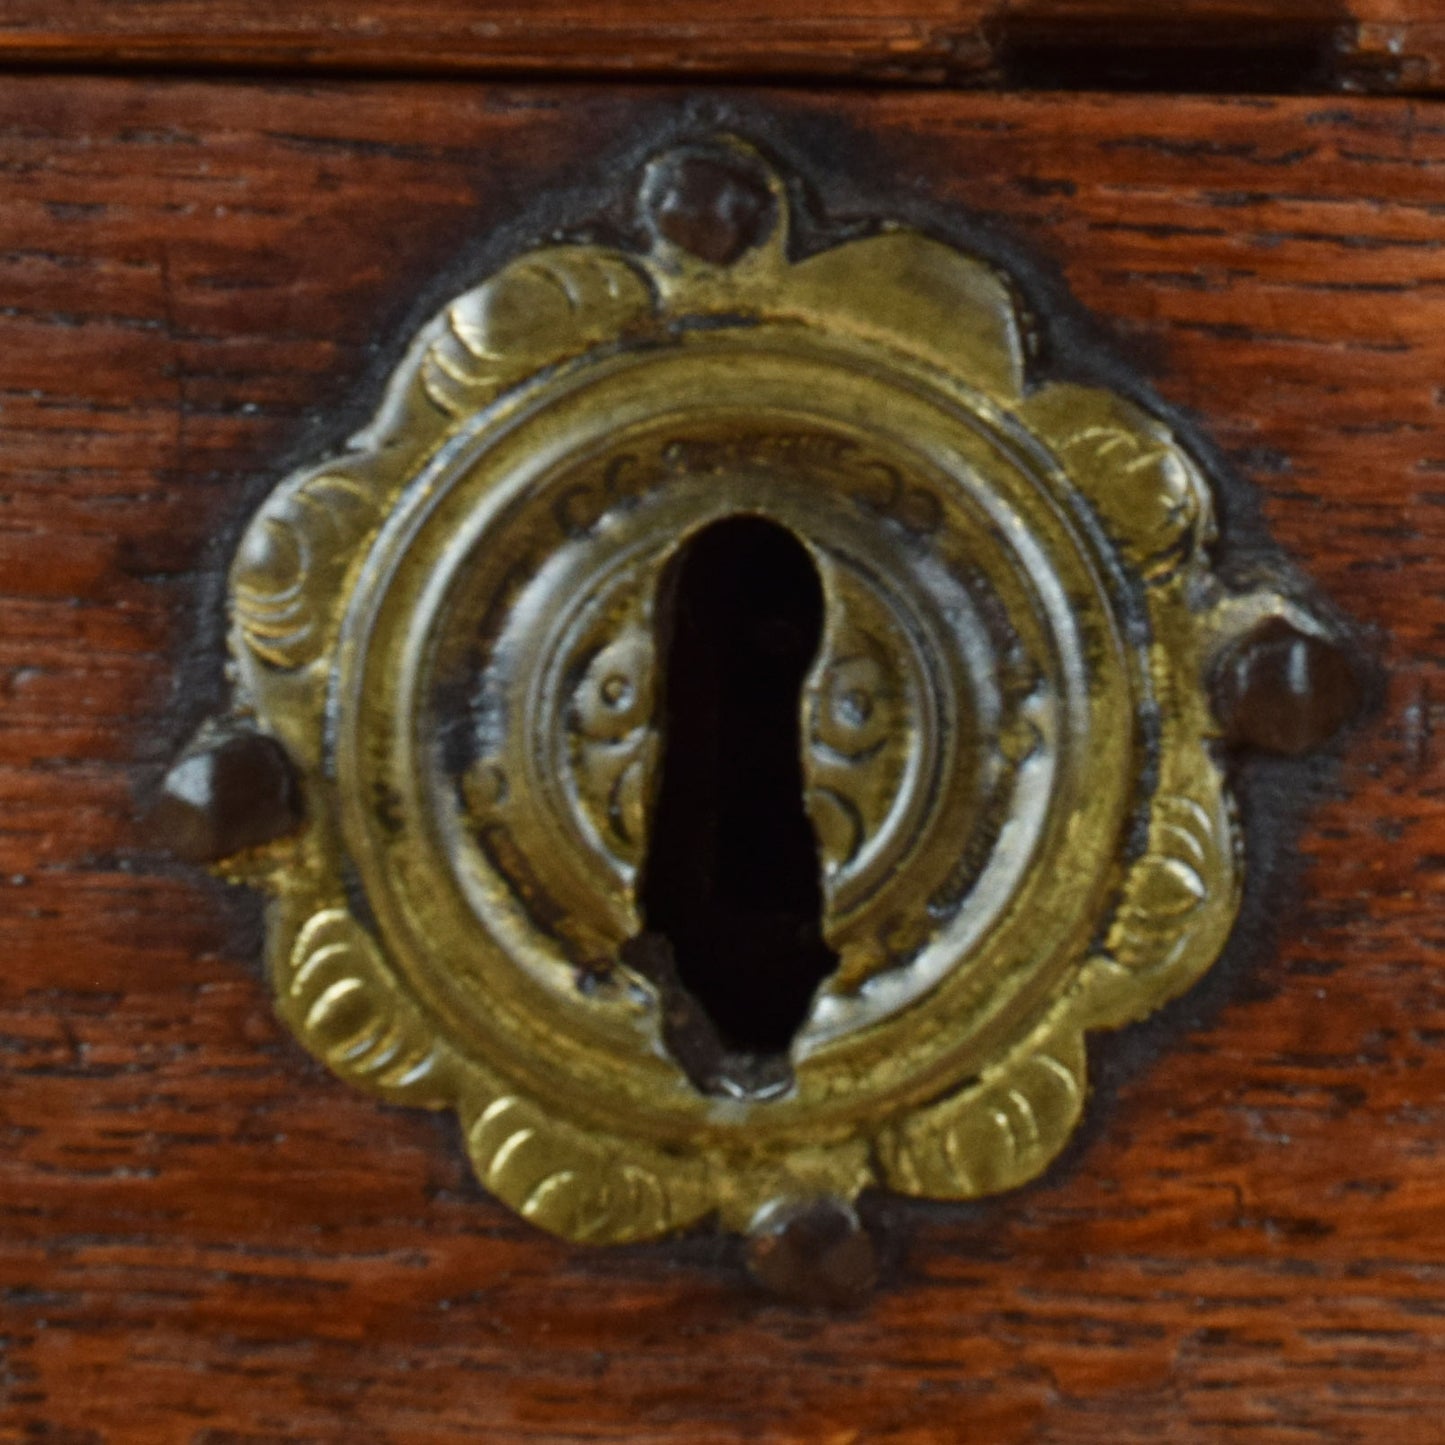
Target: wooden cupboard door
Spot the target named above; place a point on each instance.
(204, 1238)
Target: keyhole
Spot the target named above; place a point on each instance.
(731, 882)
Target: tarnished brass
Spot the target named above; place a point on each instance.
(1010, 759)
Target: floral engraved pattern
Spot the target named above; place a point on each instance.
(566, 1183)
(1181, 897)
(1149, 492)
(856, 758)
(293, 558)
(538, 310)
(613, 744)
(998, 1134)
(340, 1000)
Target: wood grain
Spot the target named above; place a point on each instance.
(880, 39)
(204, 1239)
(1363, 44)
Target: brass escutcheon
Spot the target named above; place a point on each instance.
(1008, 749)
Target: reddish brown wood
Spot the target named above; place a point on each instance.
(894, 39)
(204, 1239)
(1404, 39)
(1375, 44)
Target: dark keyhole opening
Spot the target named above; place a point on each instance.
(731, 886)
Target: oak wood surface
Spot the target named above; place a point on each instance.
(205, 1239)
(1375, 44)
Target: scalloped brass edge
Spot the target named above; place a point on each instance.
(908, 298)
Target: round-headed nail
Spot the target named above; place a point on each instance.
(1284, 690)
(711, 202)
(235, 791)
(813, 1251)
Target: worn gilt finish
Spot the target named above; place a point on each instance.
(1012, 765)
